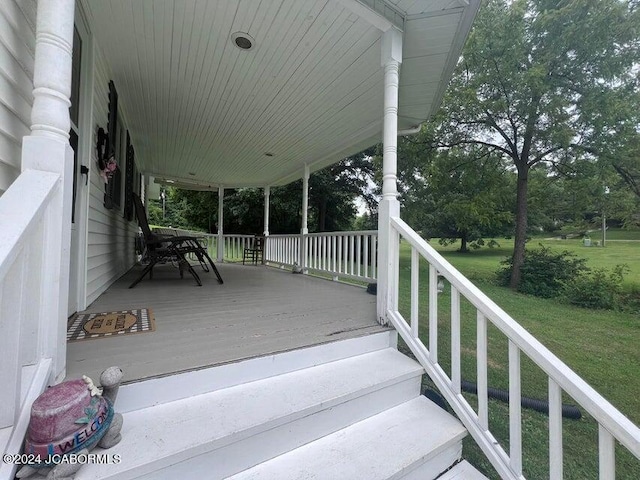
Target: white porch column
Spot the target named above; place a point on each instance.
(305, 228)
(220, 223)
(267, 193)
(305, 200)
(146, 195)
(48, 149)
(389, 205)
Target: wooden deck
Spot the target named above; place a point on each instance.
(257, 311)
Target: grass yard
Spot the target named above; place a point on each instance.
(601, 346)
(483, 263)
(619, 234)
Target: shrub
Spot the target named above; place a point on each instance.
(598, 289)
(544, 272)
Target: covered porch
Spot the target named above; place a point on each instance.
(258, 311)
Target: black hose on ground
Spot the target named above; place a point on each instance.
(568, 411)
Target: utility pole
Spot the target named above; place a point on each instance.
(604, 217)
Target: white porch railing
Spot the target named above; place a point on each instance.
(343, 254)
(350, 255)
(613, 425)
(234, 244)
(283, 250)
(28, 300)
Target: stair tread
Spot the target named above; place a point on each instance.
(381, 447)
(463, 471)
(175, 431)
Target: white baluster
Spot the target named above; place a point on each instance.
(415, 283)
(433, 314)
(555, 431)
(352, 258)
(606, 454)
(374, 256)
(333, 253)
(455, 340)
(481, 356)
(515, 413)
(339, 242)
(358, 253)
(366, 255)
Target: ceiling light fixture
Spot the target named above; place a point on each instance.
(243, 41)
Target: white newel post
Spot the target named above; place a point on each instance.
(267, 193)
(305, 228)
(48, 149)
(220, 223)
(389, 205)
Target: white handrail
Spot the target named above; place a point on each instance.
(28, 314)
(611, 421)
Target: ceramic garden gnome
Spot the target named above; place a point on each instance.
(72, 418)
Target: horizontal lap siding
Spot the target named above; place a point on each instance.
(110, 251)
(17, 47)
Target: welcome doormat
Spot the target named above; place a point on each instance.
(85, 326)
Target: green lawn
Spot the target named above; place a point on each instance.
(619, 234)
(483, 263)
(601, 346)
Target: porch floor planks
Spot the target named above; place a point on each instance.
(257, 311)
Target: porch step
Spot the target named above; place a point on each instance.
(220, 433)
(156, 391)
(463, 471)
(416, 440)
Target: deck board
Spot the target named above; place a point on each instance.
(257, 311)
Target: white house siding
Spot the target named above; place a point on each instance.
(110, 248)
(17, 47)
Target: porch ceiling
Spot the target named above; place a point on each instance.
(202, 111)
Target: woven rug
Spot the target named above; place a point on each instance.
(85, 326)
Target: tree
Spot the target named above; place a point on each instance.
(332, 192)
(538, 82)
(243, 209)
(627, 163)
(460, 193)
(175, 210)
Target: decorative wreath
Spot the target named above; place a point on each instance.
(106, 157)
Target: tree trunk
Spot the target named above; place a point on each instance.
(521, 227)
(463, 244)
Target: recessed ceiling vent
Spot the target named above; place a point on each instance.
(243, 41)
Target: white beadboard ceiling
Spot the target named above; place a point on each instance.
(202, 111)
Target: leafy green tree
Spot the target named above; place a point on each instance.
(626, 162)
(332, 192)
(540, 81)
(175, 212)
(461, 193)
